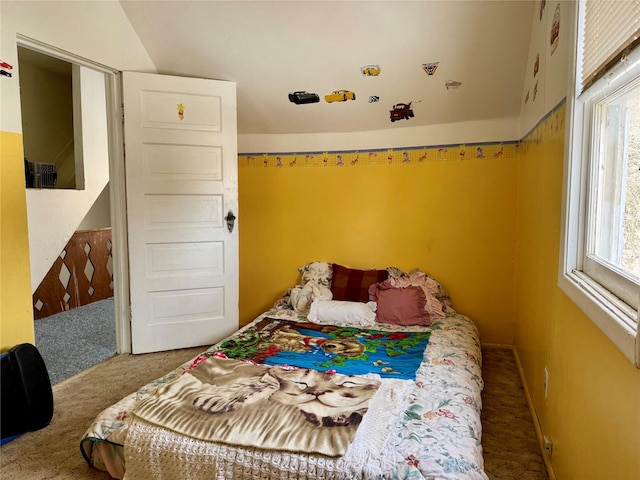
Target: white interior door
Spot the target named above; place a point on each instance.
(181, 181)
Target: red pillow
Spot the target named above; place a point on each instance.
(402, 306)
(353, 285)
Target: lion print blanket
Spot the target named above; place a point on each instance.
(240, 403)
(346, 350)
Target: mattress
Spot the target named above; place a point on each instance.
(425, 425)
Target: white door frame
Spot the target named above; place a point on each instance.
(120, 250)
(118, 204)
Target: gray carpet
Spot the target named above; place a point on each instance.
(73, 341)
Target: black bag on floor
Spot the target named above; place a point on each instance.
(27, 398)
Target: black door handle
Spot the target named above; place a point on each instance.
(231, 220)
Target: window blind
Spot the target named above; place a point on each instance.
(609, 28)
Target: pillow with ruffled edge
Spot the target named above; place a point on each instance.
(402, 306)
(325, 311)
(352, 285)
(441, 296)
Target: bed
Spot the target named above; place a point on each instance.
(353, 374)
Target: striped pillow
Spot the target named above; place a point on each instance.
(353, 285)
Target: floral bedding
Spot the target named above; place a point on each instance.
(435, 434)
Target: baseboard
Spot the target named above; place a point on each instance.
(534, 417)
(497, 345)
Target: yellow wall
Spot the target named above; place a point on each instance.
(16, 315)
(592, 411)
(447, 212)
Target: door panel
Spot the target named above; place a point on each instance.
(190, 259)
(181, 172)
(159, 110)
(202, 163)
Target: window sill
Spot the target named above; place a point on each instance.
(615, 319)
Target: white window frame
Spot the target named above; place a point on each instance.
(617, 320)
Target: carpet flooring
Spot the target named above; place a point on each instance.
(509, 441)
(53, 453)
(73, 341)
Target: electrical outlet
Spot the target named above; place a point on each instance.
(546, 382)
(548, 445)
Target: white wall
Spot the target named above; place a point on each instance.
(496, 130)
(53, 215)
(100, 214)
(95, 30)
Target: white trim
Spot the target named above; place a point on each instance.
(76, 91)
(610, 320)
(120, 249)
(615, 322)
(534, 416)
(33, 44)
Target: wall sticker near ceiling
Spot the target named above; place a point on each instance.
(536, 65)
(401, 111)
(430, 68)
(370, 70)
(555, 30)
(4, 66)
(452, 84)
(340, 96)
(542, 4)
(302, 96)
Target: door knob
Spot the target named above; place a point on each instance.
(231, 220)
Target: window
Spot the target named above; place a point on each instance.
(613, 224)
(600, 267)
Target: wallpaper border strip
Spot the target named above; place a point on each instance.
(550, 125)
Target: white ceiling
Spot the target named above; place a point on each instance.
(273, 48)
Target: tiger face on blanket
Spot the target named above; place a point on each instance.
(273, 408)
(322, 398)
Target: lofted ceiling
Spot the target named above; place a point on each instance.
(273, 48)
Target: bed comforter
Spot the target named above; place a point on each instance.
(428, 428)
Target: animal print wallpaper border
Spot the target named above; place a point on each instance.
(551, 124)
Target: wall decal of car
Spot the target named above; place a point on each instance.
(340, 96)
(301, 97)
(400, 111)
(452, 84)
(370, 70)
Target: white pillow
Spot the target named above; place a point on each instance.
(325, 311)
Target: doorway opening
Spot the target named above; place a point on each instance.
(67, 110)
